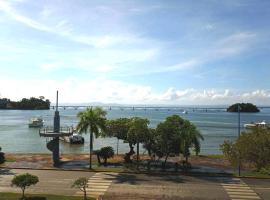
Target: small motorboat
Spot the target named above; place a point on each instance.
(262, 124)
(75, 138)
(185, 112)
(36, 122)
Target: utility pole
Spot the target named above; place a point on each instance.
(239, 132)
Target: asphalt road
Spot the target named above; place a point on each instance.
(139, 186)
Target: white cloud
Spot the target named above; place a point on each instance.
(64, 29)
(104, 90)
(52, 66)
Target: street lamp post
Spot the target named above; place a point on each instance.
(239, 132)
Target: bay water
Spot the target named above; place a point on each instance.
(215, 125)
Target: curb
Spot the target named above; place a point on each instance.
(127, 172)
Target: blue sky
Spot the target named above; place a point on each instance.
(137, 52)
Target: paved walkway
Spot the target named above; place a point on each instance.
(113, 186)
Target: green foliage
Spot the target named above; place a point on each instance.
(23, 181)
(105, 153)
(230, 152)
(137, 133)
(190, 138)
(118, 128)
(252, 147)
(138, 130)
(26, 104)
(150, 143)
(2, 156)
(173, 136)
(81, 183)
(132, 131)
(244, 107)
(92, 120)
(265, 170)
(169, 136)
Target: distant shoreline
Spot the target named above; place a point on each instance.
(25, 104)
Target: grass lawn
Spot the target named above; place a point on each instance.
(17, 196)
(254, 174)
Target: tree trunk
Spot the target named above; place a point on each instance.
(23, 189)
(167, 155)
(129, 154)
(186, 159)
(138, 154)
(84, 194)
(98, 158)
(91, 149)
(105, 161)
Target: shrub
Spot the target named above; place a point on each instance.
(105, 153)
(252, 147)
(265, 171)
(82, 184)
(23, 181)
(2, 156)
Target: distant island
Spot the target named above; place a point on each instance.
(25, 104)
(244, 107)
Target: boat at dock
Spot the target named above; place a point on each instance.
(262, 124)
(75, 138)
(37, 122)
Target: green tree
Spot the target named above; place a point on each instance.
(137, 133)
(23, 181)
(150, 143)
(81, 183)
(105, 153)
(190, 137)
(251, 147)
(92, 120)
(119, 128)
(169, 136)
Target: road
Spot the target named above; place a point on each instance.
(140, 186)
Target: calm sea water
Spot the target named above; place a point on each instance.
(216, 126)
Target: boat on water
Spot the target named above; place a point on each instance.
(37, 122)
(75, 138)
(262, 124)
(185, 112)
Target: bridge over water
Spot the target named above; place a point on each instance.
(157, 108)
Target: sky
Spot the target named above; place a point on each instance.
(207, 52)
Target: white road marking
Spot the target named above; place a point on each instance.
(238, 190)
(99, 184)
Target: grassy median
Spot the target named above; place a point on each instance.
(17, 196)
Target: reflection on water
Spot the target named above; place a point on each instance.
(216, 127)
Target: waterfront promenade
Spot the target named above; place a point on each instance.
(141, 186)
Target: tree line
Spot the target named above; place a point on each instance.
(174, 136)
(26, 104)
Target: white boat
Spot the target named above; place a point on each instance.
(185, 112)
(73, 139)
(76, 139)
(36, 122)
(262, 124)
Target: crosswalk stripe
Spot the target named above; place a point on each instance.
(96, 189)
(98, 184)
(242, 193)
(238, 190)
(234, 184)
(244, 197)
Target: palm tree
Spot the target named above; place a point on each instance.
(191, 137)
(92, 120)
